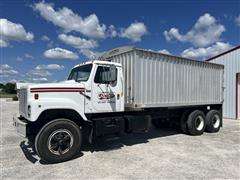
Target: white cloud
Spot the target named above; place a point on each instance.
(237, 20)
(77, 42)
(3, 43)
(4, 66)
(6, 70)
(134, 32)
(50, 44)
(26, 55)
(205, 31)
(3, 75)
(91, 54)
(203, 53)
(171, 34)
(164, 51)
(40, 73)
(112, 31)
(59, 53)
(69, 21)
(10, 31)
(39, 79)
(49, 67)
(13, 81)
(45, 38)
(19, 59)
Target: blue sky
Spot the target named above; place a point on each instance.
(42, 40)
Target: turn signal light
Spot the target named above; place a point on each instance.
(36, 96)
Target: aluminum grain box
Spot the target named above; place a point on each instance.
(159, 80)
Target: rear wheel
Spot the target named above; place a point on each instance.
(196, 123)
(213, 120)
(58, 140)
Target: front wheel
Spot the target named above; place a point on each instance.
(58, 141)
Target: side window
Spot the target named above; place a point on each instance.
(102, 74)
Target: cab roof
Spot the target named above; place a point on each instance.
(99, 62)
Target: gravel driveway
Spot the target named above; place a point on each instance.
(159, 154)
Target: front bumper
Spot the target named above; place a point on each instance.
(20, 125)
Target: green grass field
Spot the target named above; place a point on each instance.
(5, 95)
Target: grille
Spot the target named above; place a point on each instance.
(23, 102)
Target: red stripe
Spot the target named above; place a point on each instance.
(223, 53)
(57, 89)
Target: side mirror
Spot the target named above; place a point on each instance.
(113, 73)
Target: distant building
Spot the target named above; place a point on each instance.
(231, 61)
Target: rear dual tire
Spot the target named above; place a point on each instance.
(213, 120)
(196, 123)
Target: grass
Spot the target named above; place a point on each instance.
(6, 95)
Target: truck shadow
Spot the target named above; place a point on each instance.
(31, 155)
(28, 151)
(104, 144)
(112, 143)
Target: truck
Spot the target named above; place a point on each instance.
(126, 90)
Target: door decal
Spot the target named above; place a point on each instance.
(106, 97)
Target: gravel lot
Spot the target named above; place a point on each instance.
(159, 154)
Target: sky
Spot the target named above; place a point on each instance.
(40, 41)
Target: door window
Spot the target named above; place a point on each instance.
(102, 74)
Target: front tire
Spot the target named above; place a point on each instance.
(58, 141)
(196, 123)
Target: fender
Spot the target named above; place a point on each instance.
(38, 106)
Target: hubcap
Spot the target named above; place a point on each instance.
(199, 123)
(60, 141)
(216, 121)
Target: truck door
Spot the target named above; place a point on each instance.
(106, 96)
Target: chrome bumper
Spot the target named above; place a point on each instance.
(20, 126)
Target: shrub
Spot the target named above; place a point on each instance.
(15, 98)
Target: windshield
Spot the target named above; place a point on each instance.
(80, 73)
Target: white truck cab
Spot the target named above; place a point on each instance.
(126, 92)
(92, 87)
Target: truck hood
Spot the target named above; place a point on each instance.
(58, 85)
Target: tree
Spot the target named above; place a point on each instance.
(1, 86)
(9, 88)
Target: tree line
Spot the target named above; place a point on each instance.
(8, 88)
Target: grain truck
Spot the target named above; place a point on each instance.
(126, 90)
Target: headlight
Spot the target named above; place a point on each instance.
(29, 110)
